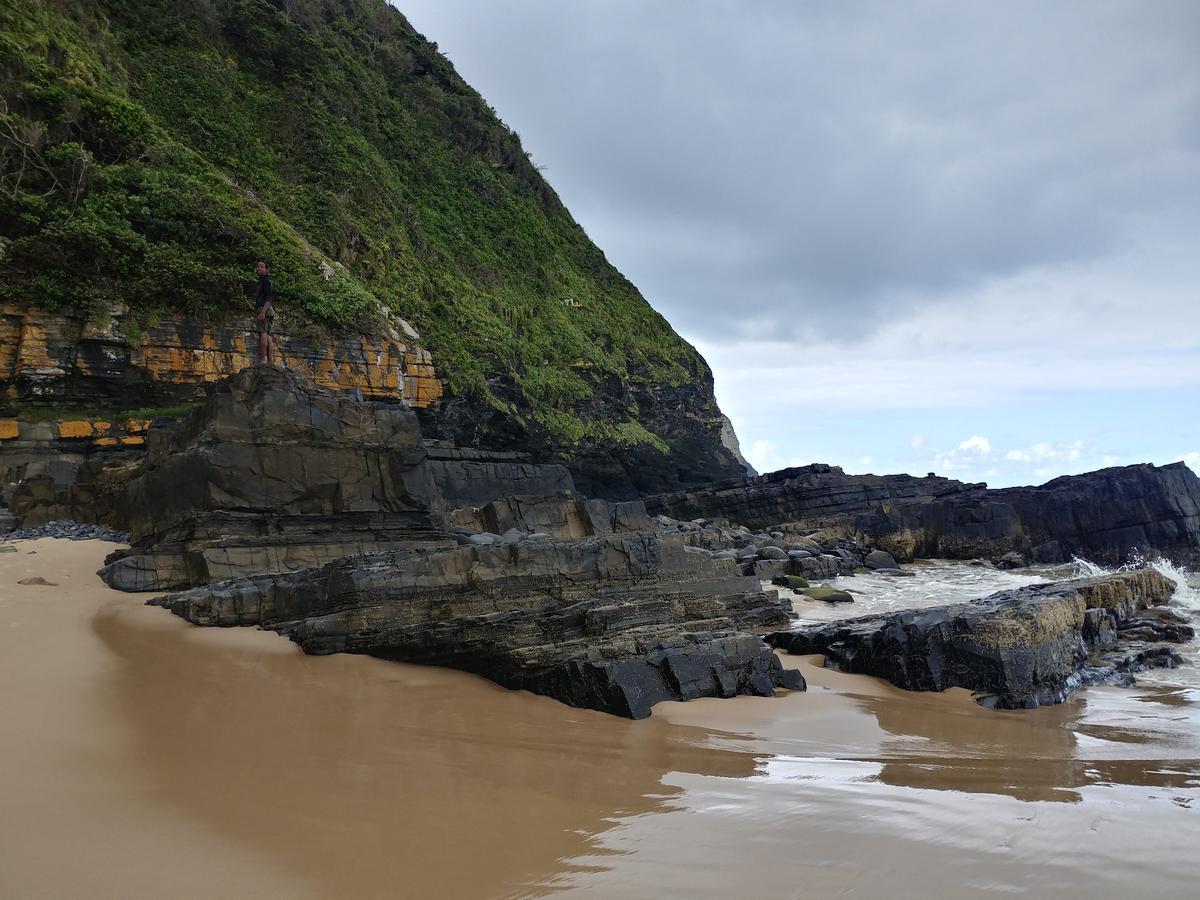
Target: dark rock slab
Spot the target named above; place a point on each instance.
(614, 623)
(1105, 516)
(561, 515)
(1024, 648)
(272, 473)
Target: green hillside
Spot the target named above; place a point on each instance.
(150, 152)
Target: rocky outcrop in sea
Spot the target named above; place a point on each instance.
(1019, 649)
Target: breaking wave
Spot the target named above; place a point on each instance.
(1187, 583)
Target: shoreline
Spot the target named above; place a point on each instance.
(140, 750)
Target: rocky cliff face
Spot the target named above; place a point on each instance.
(1021, 648)
(1105, 516)
(580, 599)
(157, 150)
(273, 473)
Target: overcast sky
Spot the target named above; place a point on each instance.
(920, 236)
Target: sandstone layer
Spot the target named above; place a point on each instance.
(58, 357)
(614, 623)
(1021, 648)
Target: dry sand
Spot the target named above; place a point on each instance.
(144, 757)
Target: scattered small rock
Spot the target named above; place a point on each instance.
(64, 529)
(38, 580)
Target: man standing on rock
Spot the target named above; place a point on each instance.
(265, 314)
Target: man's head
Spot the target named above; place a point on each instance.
(261, 268)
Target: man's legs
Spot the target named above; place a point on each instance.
(263, 337)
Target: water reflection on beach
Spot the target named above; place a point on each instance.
(280, 774)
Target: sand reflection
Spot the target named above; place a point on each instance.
(145, 757)
(364, 774)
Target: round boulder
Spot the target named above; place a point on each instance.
(878, 559)
(829, 594)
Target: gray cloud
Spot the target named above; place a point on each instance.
(790, 167)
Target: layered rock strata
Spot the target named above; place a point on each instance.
(1021, 648)
(58, 357)
(1106, 516)
(614, 623)
(272, 473)
(563, 515)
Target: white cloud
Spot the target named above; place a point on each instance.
(765, 456)
(976, 444)
(761, 453)
(1006, 242)
(1044, 451)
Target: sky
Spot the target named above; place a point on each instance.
(929, 236)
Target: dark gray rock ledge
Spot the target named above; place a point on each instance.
(614, 623)
(1019, 649)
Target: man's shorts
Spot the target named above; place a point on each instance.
(264, 325)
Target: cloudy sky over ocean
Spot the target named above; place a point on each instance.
(914, 237)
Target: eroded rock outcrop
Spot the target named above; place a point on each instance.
(1106, 516)
(1021, 648)
(614, 623)
(274, 473)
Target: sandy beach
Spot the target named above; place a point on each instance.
(141, 756)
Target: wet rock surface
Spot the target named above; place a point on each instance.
(1105, 516)
(1020, 648)
(614, 623)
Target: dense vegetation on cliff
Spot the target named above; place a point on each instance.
(150, 152)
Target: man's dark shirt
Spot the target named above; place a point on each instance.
(262, 293)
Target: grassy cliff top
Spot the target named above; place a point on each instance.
(151, 152)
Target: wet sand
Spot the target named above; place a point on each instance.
(141, 756)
